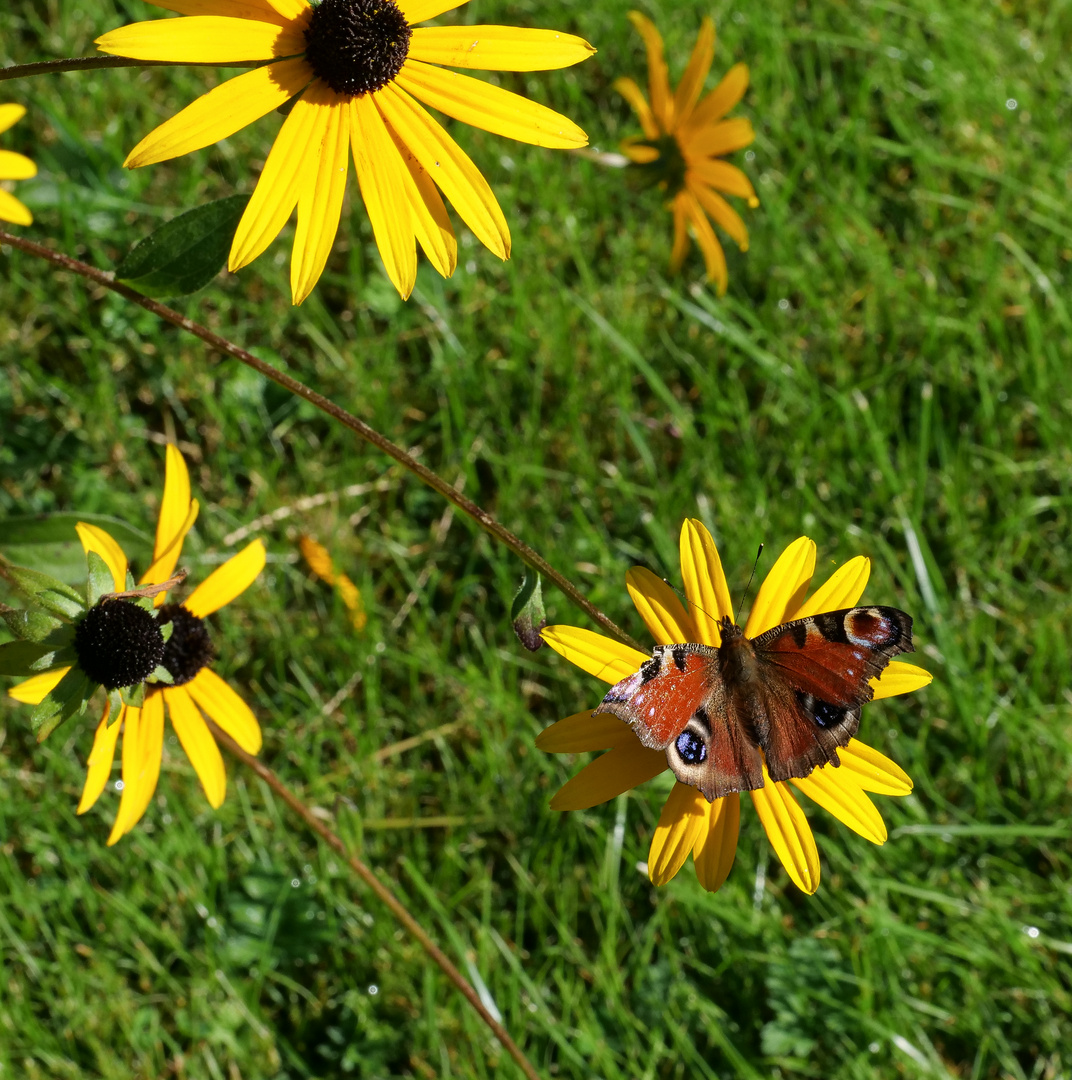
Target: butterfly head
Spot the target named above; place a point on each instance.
(728, 628)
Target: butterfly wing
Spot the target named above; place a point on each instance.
(677, 702)
(657, 700)
(815, 676)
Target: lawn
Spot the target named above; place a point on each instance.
(889, 373)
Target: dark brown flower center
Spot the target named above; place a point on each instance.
(189, 648)
(356, 46)
(118, 644)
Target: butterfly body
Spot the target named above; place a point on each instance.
(790, 697)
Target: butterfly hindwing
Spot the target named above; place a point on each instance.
(658, 700)
(816, 675)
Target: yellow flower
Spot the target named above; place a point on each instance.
(689, 823)
(196, 687)
(352, 70)
(684, 138)
(320, 562)
(14, 167)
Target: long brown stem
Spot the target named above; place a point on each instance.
(398, 909)
(95, 63)
(359, 427)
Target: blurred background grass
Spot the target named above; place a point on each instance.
(888, 373)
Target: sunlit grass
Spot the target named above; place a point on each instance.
(887, 373)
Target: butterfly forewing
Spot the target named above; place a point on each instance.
(658, 700)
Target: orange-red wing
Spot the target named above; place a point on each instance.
(657, 700)
(834, 656)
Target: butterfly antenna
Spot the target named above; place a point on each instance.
(755, 567)
(688, 603)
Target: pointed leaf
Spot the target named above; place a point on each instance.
(527, 612)
(70, 696)
(187, 252)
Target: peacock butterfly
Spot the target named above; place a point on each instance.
(794, 692)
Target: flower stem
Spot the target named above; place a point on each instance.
(397, 908)
(358, 426)
(94, 63)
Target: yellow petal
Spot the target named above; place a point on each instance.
(228, 581)
(900, 678)
(14, 211)
(280, 183)
(681, 822)
(618, 770)
(639, 104)
(638, 152)
(175, 504)
(489, 107)
(221, 112)
(34, 690)
(704, 581)
(789, 833)
(416, 11)
(161, 569)
(681, 235)
(321, 190)
(198, 743)
(874, 771)
(94, 538)
(383, 179)
(228, 710)
(449, 166)
(658, 77)
(784, 588)
(725, 177)
(202, 39)
(719, 209)
(10, 115)
(662, 612)
(16, 166)
(143, 745)
(719, 102)
(582, 731)
(839, 793)
(688, 90)
(600, 656)
(497, 48)
(429, 216)
(259, 10)
(716, 845)
(842, 589)
(714, 257)
(101, 756)
(721, 138)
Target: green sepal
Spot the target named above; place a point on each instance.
(65, 656)
(32, 624)
(47, 591)
(166, 631)
(100, 579)
(144, 602)
(70, 696)
(161, 675)
(115, 706)
(133, 696)
(19, 657)
(527, 612)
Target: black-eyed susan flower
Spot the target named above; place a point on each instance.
(689, 824)
(685, 138)
(186, 655)
(354, 72)
(14, 167)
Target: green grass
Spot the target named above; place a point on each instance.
(888, 373)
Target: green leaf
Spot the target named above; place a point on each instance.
(161, 675)
(186, 253)
(134, 696)
(46, 591)
(528, 613)
(70, 696)
(100, 580)
(17, 657)
(32, 624)
(115, 706)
